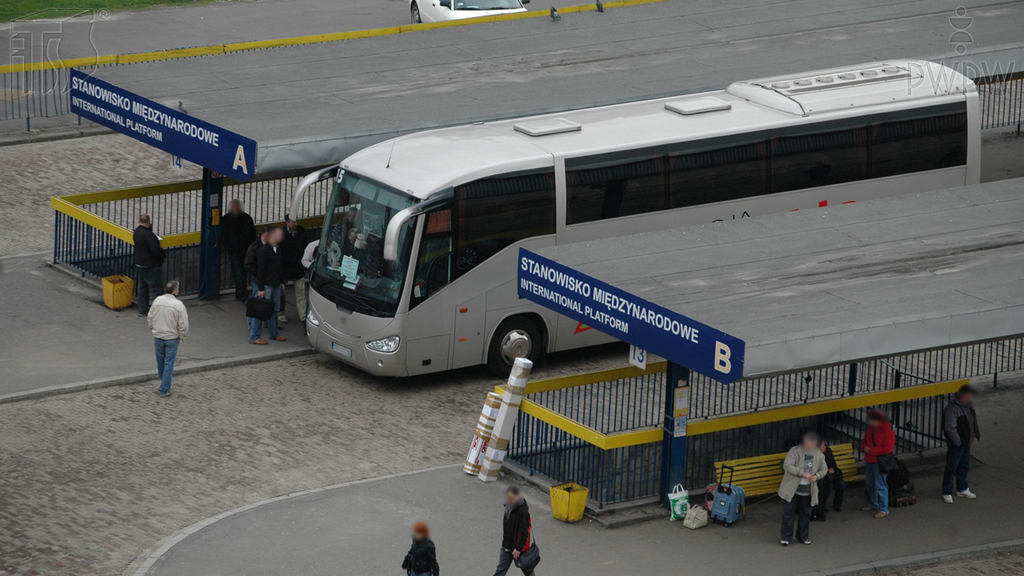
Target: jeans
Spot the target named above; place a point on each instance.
(958, 464)
(505, 562)
(150, 280)
(166, 352)
(238, 274)
(420, 574)
(878, 489)
(256, 326)
(825, 487)
(798, 509)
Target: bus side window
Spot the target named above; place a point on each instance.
(494, 213)
(433, 265)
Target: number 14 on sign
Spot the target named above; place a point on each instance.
(638, 357)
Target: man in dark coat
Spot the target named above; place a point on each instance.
(516, 537)
(238, 232)
(292, 248)
(149, 259)
(960, 424)
(268, 285)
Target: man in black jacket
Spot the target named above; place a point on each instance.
(292, 248)
(516, 537)
(238, 232)
(268, 285)
(960, 424)
(149, 258)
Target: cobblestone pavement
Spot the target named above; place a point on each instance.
(88, 481)
(34, 172)
(1000, 564)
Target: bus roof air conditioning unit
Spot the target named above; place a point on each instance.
(546, 126)
(697, 106)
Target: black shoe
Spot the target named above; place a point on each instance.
(838, 509)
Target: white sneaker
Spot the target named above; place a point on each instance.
(967, 494)
(947, 499)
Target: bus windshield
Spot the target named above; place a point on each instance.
(350, 269)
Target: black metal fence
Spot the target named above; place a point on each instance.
(176, 214)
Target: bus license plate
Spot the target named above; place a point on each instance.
(346, 352)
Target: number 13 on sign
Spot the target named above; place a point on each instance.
(638, 357)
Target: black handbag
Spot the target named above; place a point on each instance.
(259, 308)
(529, 559)
(887, 463)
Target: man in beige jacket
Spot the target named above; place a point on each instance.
(168, 320)
(803, 465)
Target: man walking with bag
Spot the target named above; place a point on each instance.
(168, 320)
(517, 545)
(960, 424)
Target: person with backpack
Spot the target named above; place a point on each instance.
(878, 445)
(422, 557)
(831, 482)
(803, 466)
(960, 425)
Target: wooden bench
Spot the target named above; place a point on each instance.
(762, 475)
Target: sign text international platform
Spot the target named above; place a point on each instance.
(629, 318)
(161, 127)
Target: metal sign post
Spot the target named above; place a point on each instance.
(209, 243)
(677, 411)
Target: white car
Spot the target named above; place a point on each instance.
(442, 10)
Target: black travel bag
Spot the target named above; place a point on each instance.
(259, 308)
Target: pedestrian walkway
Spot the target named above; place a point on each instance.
(90, 480)
(59, 332)
(362, 528)
(995, 564)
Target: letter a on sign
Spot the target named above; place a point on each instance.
(240, 160)
(722, 355)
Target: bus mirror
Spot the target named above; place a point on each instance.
(404, 216)
(307, 181)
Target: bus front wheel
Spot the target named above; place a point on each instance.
(516, 337)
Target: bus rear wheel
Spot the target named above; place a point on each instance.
(516, 337)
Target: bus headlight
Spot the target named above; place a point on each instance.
(312, 319)
(386, 345)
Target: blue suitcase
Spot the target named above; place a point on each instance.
(728, 503)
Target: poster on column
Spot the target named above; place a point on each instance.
(629, 318)
(162, 127)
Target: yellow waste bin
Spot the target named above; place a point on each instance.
(117, 292)
(568, 502)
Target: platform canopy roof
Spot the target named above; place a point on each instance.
(313, 105)
(838, 284)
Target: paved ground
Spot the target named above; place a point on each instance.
(34, 172)
(65, 334)
(1003, 563)
(90, 480)
(320, 533)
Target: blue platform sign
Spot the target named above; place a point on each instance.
(629, 318)
(169, 130)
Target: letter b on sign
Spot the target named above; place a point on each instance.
(722, 355)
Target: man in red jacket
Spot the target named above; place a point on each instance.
(878, 441)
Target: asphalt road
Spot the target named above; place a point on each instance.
(90, 33)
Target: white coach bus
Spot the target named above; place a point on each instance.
(416, 270)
